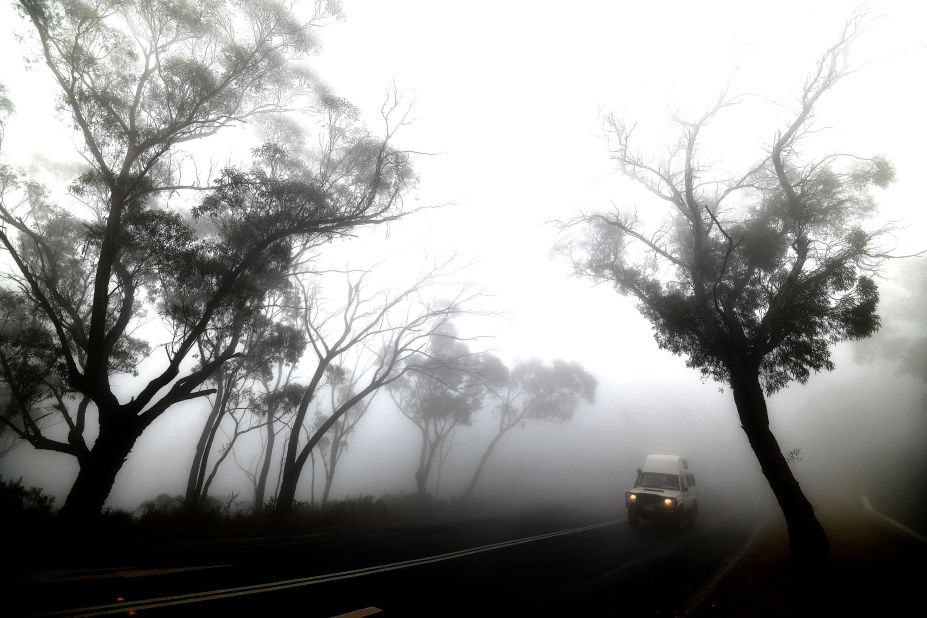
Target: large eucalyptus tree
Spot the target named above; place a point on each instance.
(752, 279)
(138, 79)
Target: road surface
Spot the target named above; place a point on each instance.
(553, 563)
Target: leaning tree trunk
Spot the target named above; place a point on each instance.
(424, 464)
(289, 479)
(99, 467)
(293, 464)
(807, 540)
(471, 486)
(194, 493)
(312, 481)
(330, 471)
(261, 487)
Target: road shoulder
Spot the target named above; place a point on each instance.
(872, 571)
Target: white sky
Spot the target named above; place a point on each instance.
(511, 95)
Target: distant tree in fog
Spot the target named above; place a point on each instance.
(390, 329)
(138, 79)
(441, 394)
(532, 390)
(342, 386)
(905, 343)
(752, 279)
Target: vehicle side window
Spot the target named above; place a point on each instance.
(690, 478)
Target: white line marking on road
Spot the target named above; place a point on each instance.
(885, 519)
(212, 595)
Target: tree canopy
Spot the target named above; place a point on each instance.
(138, 80)
(768, 270)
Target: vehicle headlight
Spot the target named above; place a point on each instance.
(632, 497)
(669, 502)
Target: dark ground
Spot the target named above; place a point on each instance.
(599, 571)
(607, 570)
(875, 570)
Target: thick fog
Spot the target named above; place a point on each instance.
(508, 101)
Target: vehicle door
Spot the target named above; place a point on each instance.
(684, 489)
(691, 491)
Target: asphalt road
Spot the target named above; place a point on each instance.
(546, 564)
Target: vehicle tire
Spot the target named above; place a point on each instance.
(676, 520)
(693, 514)
(632, 518)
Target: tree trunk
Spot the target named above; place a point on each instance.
(261, 486)
(201, 454)
(294, 463)
(286, 497)
(312, 482)
(421, 482)
(329, 476)
(98, 470)
(807, 540)
(424, 458)
(330, 471)
(468, 492)
(204, 490)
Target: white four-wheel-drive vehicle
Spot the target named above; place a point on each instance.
(665, 490)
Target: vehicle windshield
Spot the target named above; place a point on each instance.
(659, 480)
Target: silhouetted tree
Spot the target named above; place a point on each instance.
(275, 407)
(906, 342)
(267, 347)
(441, 394)
(531, 391)
(394, 325)
(753, 292)
(138, 79)
(342, 386)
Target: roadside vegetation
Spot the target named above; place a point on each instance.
(228, 267)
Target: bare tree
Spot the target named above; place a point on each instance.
(342, 386)
(243, 422)
(441, 394)
(394, 326)
(269, 352)
(752, 278)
